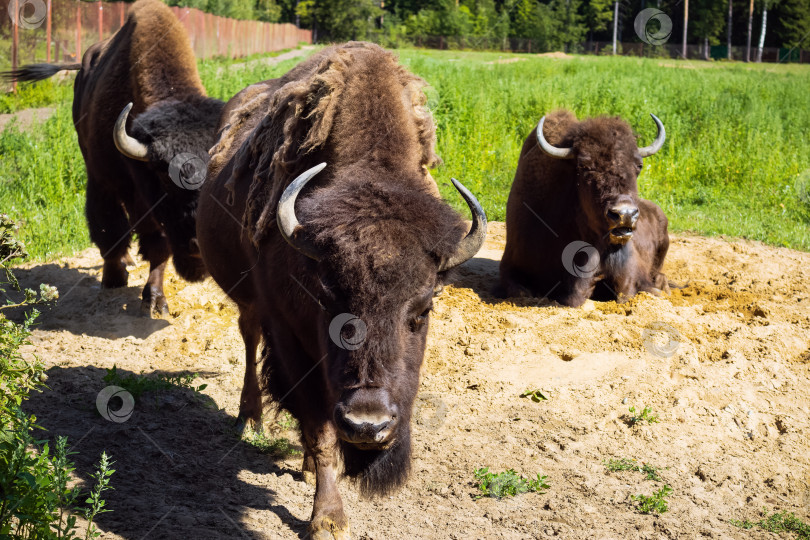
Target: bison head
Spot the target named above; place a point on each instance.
(379, 250)
(172, 138)
(608, 163)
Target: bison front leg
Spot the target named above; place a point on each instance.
(328, 519)
(153, 299)
(250, 402)
(155, 249)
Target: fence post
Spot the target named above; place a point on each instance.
(78, 32)
(48, 33)
(15, 40)
(100, 21)
(120, 14)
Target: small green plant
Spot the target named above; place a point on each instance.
(95, 502)
(655, 503)
(507, 484)
(280, 447)
(138, 384)
(744, 524)
(777, 522)
(535, 395)
(287, 421)
(645, 415)
(784, 522)
(625, 464)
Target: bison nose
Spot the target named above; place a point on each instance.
(623, 215)
(366, 425)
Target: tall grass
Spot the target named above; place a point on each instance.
(42, 174)
(738, 136)
(736, 159)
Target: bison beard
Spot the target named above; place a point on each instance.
(378, 472)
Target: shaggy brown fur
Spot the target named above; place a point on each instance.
(148, 62)
(375, 216)
(554, 202)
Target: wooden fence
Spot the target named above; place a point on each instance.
(61, 30)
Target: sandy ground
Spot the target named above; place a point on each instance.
(724, 362)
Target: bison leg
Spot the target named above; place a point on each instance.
(328, 519)
(110, 231)
(308, 468)
(250, 403)
(155, 249)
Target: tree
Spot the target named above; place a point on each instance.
(597, 16)
(765, 4)
(707, 23)
(791, 21)
(267, 11)
(729, 26)
(338, 20)
(569, 28)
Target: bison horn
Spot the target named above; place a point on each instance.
(129, 146)
(553, 151)
(658, 142)
(471, 243)
(288, 224)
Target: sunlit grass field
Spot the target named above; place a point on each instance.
(736, 161)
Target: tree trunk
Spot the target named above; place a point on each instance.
(685, 24)
(615, 23)
(728, 40)
(750, 27)
(706, 55)
(762, 32)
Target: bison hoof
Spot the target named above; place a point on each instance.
(245, 422)
(157, 305)
(325, 528)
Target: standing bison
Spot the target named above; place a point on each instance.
(144, 181)
(319, 219)
(575, 225)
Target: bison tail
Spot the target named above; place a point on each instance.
(37, 72)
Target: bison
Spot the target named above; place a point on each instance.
(145, 181)
(575, 225)
(320, 220)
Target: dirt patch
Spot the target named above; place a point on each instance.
(506, 61)
(556, 54)
(271, 60)
(25, 118)
(723, 361)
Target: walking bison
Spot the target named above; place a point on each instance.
(319, 219)
(144, 181)
(575, 225)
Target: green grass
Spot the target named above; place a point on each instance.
(137, 385)
(42, 175)
(507, 484)
(655, 503)
(778, 522)
(640, 417)
(736, 161)
(279, 447)
(624, 464)
(738, 136)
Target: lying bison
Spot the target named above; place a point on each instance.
(144, 182)
(575, 225)
(319, 219)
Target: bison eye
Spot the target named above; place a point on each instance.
(418, 321)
